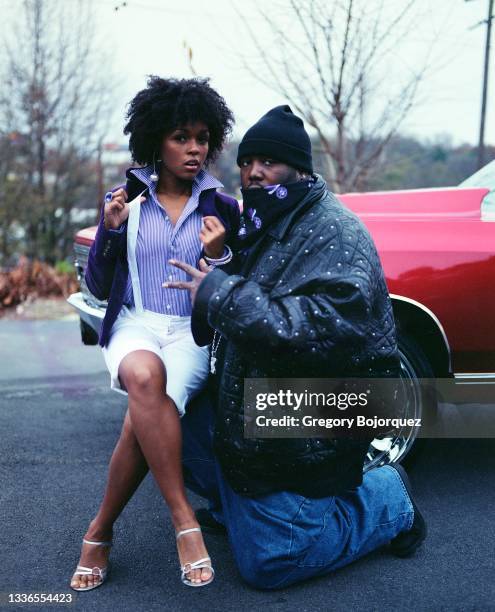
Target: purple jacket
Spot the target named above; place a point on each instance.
(107, 270)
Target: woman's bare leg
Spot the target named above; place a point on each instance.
(127, 469)
(156, 425)
(143, 371)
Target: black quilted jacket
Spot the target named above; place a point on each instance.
(309, 301)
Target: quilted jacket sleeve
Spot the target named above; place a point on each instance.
(321, 313)
(324, 311)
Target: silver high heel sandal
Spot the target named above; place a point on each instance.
(88, 571)
(199, 564)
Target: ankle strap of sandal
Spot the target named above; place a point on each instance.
(184, 531)
(97, 543)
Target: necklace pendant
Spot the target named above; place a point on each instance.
(213, 362)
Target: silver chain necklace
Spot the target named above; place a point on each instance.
(214, 348)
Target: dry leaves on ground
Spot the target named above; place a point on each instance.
(30, 280)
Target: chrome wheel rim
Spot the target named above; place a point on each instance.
(393, 448)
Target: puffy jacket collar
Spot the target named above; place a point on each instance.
(278, 230)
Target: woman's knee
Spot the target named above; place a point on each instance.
(142, 376)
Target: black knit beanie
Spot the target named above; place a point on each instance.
(280, 135)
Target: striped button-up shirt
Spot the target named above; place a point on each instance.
(158, 241)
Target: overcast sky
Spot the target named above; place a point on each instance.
(147, 36)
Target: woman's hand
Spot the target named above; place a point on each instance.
(212, 235)
(117, 210)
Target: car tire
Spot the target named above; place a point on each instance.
(88, 334)
(405, 447)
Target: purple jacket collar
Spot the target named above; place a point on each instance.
(107, 271)
(138, 179)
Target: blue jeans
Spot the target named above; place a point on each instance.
(283, 538)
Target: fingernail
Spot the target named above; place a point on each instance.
(172, 261)
(164, 284)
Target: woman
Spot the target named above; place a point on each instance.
(168, 209)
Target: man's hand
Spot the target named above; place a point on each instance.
(196, 277)
(212, 235)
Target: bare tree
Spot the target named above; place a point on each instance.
(329, 60)
(54, 108)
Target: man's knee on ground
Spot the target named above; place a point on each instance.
(260, 568)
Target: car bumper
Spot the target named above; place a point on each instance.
(91, 315)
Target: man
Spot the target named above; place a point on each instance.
(307, 299)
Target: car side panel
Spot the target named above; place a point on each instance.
(449, 267)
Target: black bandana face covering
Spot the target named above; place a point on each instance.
(263, 206)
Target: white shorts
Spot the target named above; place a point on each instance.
(170, 338)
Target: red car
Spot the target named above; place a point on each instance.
(437, 248)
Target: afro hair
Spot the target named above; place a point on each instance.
(167, 104)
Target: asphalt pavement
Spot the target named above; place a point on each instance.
(58, 425)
